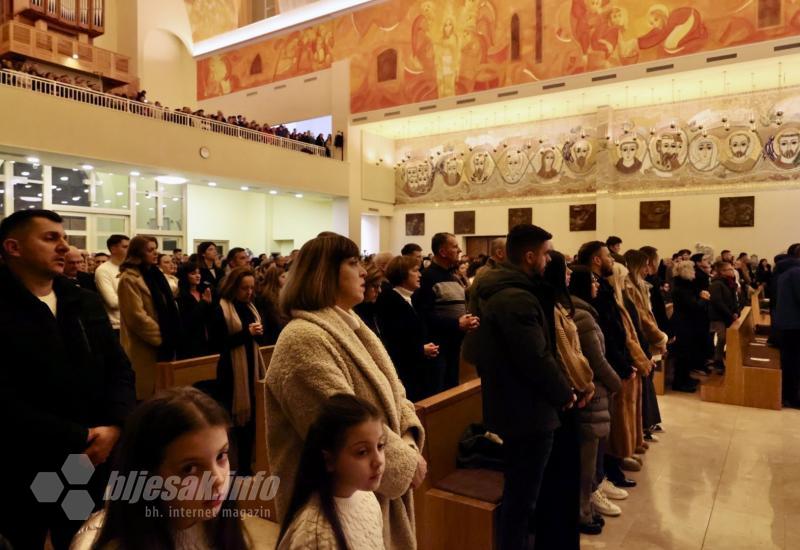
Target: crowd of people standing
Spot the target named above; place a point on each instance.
(565, 346)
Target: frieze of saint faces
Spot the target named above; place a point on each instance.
(579, 155)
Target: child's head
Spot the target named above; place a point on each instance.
(180, 436)
(343, 453)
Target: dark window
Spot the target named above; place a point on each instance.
(769, 13)
(515, 47)
(387, 66)
(255, 66)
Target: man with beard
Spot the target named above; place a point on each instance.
(479, 169)
(668, 147)
(739, 143)
(580, 156)
(524, 386)
(788, 147)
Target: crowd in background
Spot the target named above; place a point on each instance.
(143, 106)
(566, 347)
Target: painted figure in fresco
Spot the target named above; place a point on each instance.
(788, 150)
(579, 156)
(680, 32)
(421, 43)
(451, 170)
(628, 162)
(704, 153)
(742, 151)
(607, 37)
(513, 166)
(669, 151)
(447, 60)
(547, 160)
(417, 176)
(586, 16)
(481, 167)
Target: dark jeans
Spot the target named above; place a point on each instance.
(525, 461)
(558, 510)
(790, 365)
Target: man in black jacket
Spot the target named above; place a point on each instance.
(596, 256)
(65, 383)
(524, 387)
(723, 308)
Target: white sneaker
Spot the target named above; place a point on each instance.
(612, 491)
(603, 505)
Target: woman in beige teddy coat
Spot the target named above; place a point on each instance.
(326, 349)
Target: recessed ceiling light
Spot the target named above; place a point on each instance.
(76, 198)
(74, 56)
(120, 193)
(63, 202)
(64, 178)
(138, 203)
(2, 191)
(273, 192)
(212, 184)
(175, 199)
(58, 189)
(171, 180)
(38, 194)
(134, 173)
(27, 187)
(31, 199)
(33, 160)
(107, 201)
(87, 167)
(151, 209)
(244, 188)
(299, 195)
(26, 173)
(74, 169)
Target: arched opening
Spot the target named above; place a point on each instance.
(255, 66)
(387, 65)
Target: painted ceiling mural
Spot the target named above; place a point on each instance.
(212, 17)
(721, 141)
(407, 51)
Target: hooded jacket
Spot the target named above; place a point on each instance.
(524, 385)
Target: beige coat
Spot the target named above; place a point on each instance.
(139, 332)
(322, 353)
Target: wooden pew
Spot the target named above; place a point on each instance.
(752, 369)
(186, 372)
(760, 315)
(455, 508)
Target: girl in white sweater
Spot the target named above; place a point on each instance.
(333, 506)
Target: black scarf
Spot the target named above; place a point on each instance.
(166, 310)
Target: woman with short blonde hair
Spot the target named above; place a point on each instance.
(326, 349)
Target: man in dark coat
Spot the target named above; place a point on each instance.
(65, 383)
(723, 308)
(787, 320)
(524, 386)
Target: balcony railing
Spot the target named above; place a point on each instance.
(109, 101)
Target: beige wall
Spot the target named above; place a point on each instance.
(694, 219)
(167, 70)
(225, 214)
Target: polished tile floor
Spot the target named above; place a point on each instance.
(721, 477)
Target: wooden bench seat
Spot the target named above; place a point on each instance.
(752, 369)
(455, 508)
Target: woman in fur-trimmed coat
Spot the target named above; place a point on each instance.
(326, 349)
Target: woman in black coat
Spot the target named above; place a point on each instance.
(403, 331)
(237, 333)
(688, 325)
(194, 304)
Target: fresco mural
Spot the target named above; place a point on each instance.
(721, 141)
(408, 51)
(212, 17)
